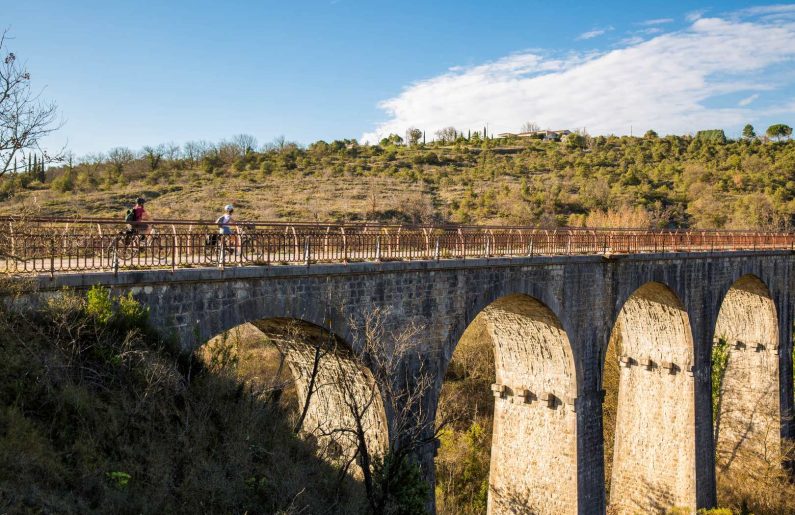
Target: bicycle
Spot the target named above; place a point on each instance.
(128, 244)
(248, 251)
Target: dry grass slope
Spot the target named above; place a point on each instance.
(98, 416)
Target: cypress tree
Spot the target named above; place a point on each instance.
(42, 174)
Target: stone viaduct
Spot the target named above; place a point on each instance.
(550, 320)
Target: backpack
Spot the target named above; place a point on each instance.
(130, 218)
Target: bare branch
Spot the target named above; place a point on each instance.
(25, 119)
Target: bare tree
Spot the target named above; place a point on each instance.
(192, 152)
(154, 155)
(24, 118)
(245, 142)
(119, 157)
(228, 152)
(386, 374)
(393, 357)
(172, 151)
(93, 161)
(447, 135)
(530, 127)
(279, 142)
(413, 136)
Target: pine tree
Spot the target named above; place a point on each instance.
(748, 132)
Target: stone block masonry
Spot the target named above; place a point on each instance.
(550, 319)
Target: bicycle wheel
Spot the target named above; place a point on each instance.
(250, 252)
(160, 249)
(120, 247)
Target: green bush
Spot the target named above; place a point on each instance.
(404, 491)
(125, 311)
(132, 313)
(99, 304)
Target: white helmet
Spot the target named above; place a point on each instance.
(228, 208)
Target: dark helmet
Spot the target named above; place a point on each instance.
(140, 200)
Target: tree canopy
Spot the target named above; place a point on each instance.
(779, 131)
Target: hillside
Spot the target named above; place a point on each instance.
(99, 415)
(675, 181)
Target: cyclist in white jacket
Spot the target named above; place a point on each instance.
(226, 223)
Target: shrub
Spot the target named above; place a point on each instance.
(407, 492)
(131, 313)
(99, 304)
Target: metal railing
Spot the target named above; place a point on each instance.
(54, 245)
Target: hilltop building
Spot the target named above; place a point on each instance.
(546, 135)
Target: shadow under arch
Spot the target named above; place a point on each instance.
(746, 402)
(649, 410)
(335, 391)
(533, 466)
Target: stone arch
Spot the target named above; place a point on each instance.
(652, 467)
(533, 465)
(747, 407)
(340, 382)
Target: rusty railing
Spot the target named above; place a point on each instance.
(54, 245)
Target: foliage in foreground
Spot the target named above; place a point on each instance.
(97, 416)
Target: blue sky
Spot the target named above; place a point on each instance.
(147, 72)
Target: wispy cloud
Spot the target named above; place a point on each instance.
(657, 21)
(674, 83)
(594, 33)
(748, 100)
(762, 10)
(631, 40)
(695, 15)
(770, 13)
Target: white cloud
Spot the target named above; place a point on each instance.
(593, 33)
(633, 40)
(748, 100)
(657, 21)
(762, 10)
(671, 83)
